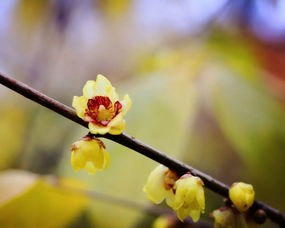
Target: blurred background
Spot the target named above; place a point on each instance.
(207, 80)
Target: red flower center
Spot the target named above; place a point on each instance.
(100, 110)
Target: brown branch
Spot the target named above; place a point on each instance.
(132, 143)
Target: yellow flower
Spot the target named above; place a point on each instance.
(227, 217)
(159, 185)
(224, 218)
(89, 154)
(101, 108)
(242, 196)
(189, 199)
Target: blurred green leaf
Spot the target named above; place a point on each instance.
(254, 122)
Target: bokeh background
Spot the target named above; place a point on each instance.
(207, 80)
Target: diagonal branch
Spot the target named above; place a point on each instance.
(132, 143)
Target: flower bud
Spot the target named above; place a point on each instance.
(89, 154)
(242, 196)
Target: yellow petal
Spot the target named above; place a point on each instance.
(127, 103)
(80, 105)
(154, 187)
(105, 88)
(106, 159)
(185, 192)
(89, 167)
(182, 213)
(96, 156)
(195, 215)
(117, 125)
(96, 129)
(77, 161)
(89, 89)
(200, 197)
(169, 197)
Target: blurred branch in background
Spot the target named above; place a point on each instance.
(132, 143)
(150, 210)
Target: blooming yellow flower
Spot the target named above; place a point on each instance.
(242, 196)
(89, 154)
(189, 199)
(101, 108)
(159, 185)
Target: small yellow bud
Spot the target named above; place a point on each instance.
(89, 154)
(242, 196)
(189, 199)
(101, 108)
(159, 185)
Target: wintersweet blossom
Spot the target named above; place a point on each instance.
(242, 196)
(227, 217)
(189, 199)
(89, 154)
(101, 108)
(224, 218)
(159, 185)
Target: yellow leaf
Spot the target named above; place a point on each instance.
(37, 201)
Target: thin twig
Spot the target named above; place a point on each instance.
(132, 143)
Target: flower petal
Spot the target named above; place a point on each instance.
(96, 129)
(105, 88)
(117, 125)
(154, 187)
(195, 215)
(185, 192)
(90, 168)
(80, 105)
(89, 89)
(200, 197)
(169, 197)
(77, 160)
(127, 103)
(106, 159)
(182, 213)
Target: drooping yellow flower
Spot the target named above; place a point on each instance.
(159, 185)
(189, 199)
(101, 108)
(242, 196)
(89, 154)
